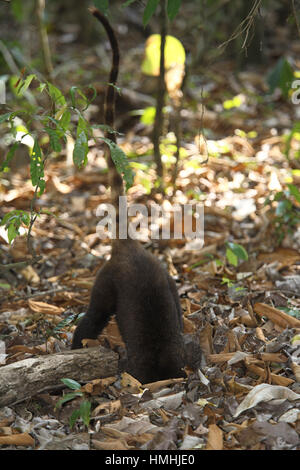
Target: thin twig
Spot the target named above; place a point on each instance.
(20, 264)
(40, 8)
(158, 124)
(296, 17)
(43, 293)
(245, 25)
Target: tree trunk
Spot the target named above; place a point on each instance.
(23, 379)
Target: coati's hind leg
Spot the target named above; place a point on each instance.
(102, 306)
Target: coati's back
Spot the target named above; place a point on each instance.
(134, 286)
(148, 313)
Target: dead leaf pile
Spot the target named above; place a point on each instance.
(243, 390)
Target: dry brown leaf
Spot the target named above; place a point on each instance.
(116, 433)
(6, 421)
(205, 340)
(107, 408)
(141, 438)
(22, 348)
(285, 256)
(22, 439)
(237, 387)
(89, 343)
(130, 383)
(60, 187)
(240, 355)
(260, 334)
(218, 358)
(95, 387)
(273, 357)
(6, 430)
(275, 379)
(18, 250)
(112, 333)
(155, 386)
(169, 402)
(296, 371)
(245, 318)
(188, 325)
(30, 275)
(42, 307)
(214, 438)
(111, 444)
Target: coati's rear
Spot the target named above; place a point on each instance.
(134, 286)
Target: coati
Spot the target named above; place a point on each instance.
(133, 285)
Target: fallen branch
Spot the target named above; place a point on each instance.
(20, 264)
(275, 379)
(24, 379)
(265, 357)
(276, 316)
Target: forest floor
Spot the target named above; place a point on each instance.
(244, 311)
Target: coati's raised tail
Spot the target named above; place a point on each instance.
(114, 178)
(134, 286)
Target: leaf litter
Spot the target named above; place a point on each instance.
(244, 392)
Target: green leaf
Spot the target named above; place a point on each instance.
(12, 232)
(37, 167)
(293, 312)
(283, 207)
(5, 117)
(281, 77)
(73, 97)
(121, 162)
(17, 9)
(278, 196)
(148, 115)
(106, 128)
(82, 126)
(85, 412)
(294, 191)
(65, 120)
(226, 280)
(87, 102)
(12, 222)
(54, 136)
(102, 5)
(73, 418)
(238, 250)
(149, 11)
(4, 286)
(9, 156)
(56, 95)
(41, 87)
(80, 150)
(71, 384)
(25, 217)
(173, 8)
(68, 397)
(10, 217)
(127, 3)
(81, 144)
(231, 256)
(24, 84)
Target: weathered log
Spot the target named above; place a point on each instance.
(24, 379)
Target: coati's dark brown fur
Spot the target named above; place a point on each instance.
(134, 286)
